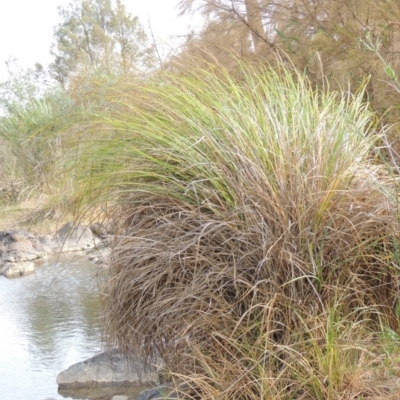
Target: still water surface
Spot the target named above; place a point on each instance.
(48, 321)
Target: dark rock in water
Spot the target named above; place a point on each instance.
(107, 369)
(161, 392)
(100, 230)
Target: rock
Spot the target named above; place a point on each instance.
(19, 246)
(121, 398)
(70, 238)
(23, 251)
(48, 244)
(8, 257)
(74, 238)
(105, 369)
(14, 270)
(17, 249)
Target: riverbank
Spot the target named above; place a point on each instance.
(20, 248)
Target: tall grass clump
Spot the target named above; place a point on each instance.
(32, 142)
(256, 240)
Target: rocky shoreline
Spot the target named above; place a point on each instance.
(19, 249)
(109, 375)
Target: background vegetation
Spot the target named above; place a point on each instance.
(250, 179)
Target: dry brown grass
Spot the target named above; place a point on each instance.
(32, 214)
(243, 303)
(42, 214)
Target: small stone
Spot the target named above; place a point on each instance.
(120, 398)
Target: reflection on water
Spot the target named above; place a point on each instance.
(48, 321)
(102, 393)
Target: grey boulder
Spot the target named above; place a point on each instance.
(70, 238)
(106, 369)
(19, 245)
(17, 249)
(14, 270)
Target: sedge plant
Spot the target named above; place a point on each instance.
(254, 233)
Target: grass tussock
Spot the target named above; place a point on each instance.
(256, 249)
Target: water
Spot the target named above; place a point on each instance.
(48, 321)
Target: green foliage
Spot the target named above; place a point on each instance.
(375, 47)
(98, 37)
(22, 85)
(28, 132)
